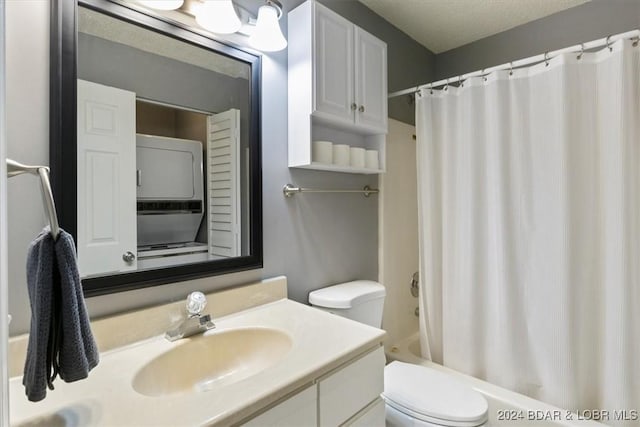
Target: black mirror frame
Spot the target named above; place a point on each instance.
(63, 141)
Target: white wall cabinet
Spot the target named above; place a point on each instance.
(350, 71)
(348, 396)
(337, 86)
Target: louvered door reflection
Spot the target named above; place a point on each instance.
(223, 183)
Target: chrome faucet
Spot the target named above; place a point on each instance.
(196, 322)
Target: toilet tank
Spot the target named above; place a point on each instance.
(360, 300)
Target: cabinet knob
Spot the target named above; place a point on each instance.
(354, 107)
(361, 109)
(128, 257)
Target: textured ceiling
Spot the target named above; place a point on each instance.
(440, 25)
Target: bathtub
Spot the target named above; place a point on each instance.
(506, 408)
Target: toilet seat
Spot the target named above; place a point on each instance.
(426, 394)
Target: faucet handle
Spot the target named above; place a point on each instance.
(196, 302)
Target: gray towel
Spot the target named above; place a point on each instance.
(60, 339)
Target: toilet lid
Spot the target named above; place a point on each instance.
(434, 395)
(347, 295)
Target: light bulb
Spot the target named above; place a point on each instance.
(218, 16)
(267, 36)
(162, 4)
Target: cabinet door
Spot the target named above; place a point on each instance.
(351, 389)
(372, 416)
(371, 82)
(334, 92)
(106, 178)
(297, 411)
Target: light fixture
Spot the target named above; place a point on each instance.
(267, 36)
(162, 4)
(218, 16)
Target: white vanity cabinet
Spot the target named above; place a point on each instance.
(344, 395)
(337, 85)
(300, 410)
(349, 396)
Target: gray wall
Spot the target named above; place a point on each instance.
(313, 239)
(589, 21)
(27, 99)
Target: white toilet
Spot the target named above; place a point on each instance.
(414, 395)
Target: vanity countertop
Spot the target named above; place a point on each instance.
(321, 342)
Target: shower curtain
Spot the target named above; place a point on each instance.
(529, 195)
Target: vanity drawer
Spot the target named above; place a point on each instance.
(346, 392)
(297, 411)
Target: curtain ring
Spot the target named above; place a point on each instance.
(460, 82)
(418, 91)
(581, 51)
(546, 59)
(609, 43)
(511, 68)
(430, 88)
(635, 40)
(446, 86)
(484, 76)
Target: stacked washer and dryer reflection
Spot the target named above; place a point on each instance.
(170, 199)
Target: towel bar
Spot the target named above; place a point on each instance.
(14, 168)
(289, 190)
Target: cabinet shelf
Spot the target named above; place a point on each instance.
(336, 168)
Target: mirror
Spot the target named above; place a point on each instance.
(160, 181)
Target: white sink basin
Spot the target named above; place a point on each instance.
(207, 362)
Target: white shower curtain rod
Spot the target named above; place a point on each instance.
(606, 41)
